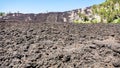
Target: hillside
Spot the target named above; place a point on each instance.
(107, 12)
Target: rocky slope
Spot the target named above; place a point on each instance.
(49, 45)
(107, 12)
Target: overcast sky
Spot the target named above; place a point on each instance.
(37, 6)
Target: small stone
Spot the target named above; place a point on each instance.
(19, 56)
(31, 65)
(116, 63)
(92, 46)
(116, 48)
(67, 58)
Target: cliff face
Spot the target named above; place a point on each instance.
(107, 12)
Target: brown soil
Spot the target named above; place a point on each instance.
(48, 45)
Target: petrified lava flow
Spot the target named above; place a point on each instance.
(48, 45)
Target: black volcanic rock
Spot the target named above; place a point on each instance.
(59, 45)
(41, 17)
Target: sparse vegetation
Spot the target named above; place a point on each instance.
(107, 12)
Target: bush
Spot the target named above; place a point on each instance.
(77, 21)
(116, 20)
(2, 13)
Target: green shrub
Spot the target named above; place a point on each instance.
(2, 13)
(116, 20)
(77, 21)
